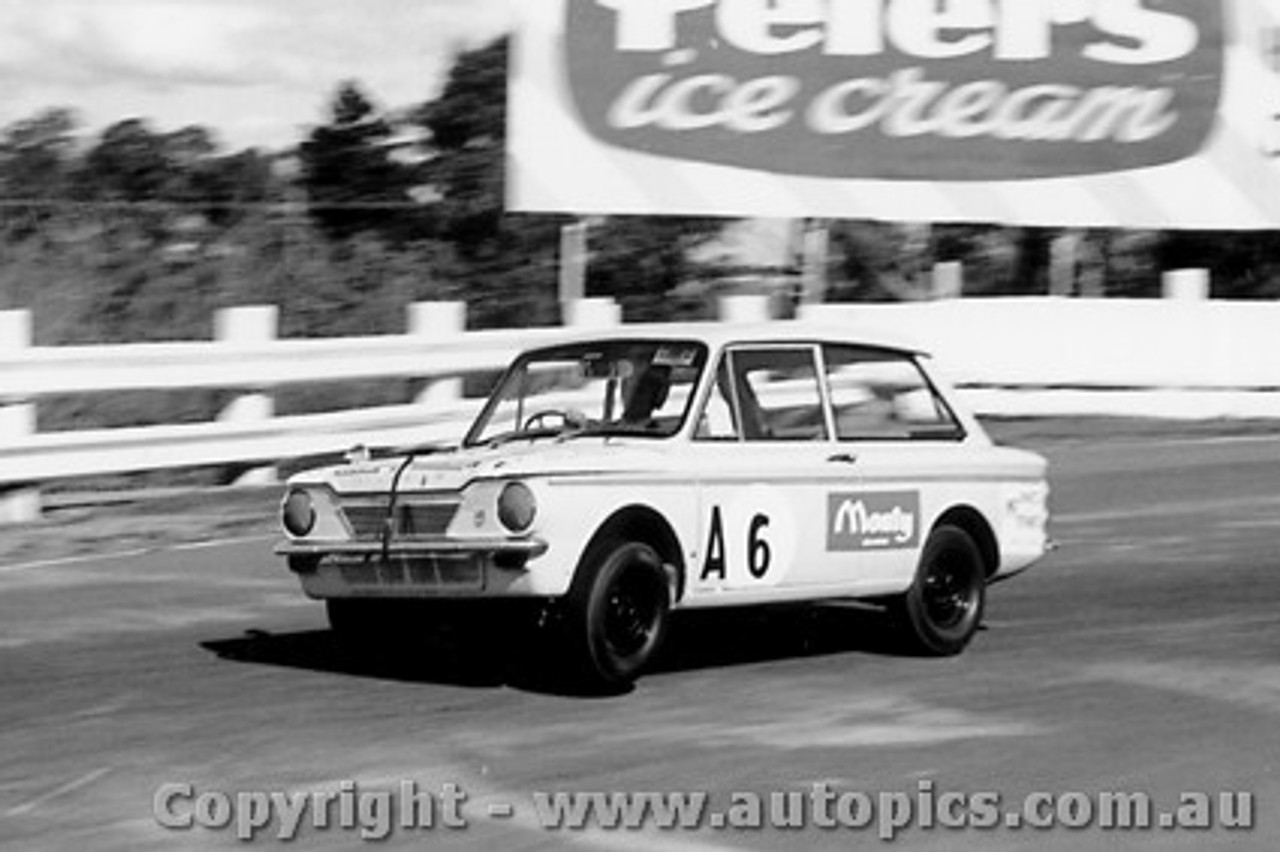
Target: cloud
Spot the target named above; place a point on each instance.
(171, 43)
(262, 69)
(162, 44)
(382, 39)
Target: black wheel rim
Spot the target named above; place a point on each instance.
(632, 610)
(949, 596)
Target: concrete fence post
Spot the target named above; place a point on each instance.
(573, 262)
(948, 279)
(744, 309)
(20, 504)
(434, 322)
(592, 313)
(1064, 263)
(247, 326)
(815, 257)
(1186, 285)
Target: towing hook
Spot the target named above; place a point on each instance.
(388, 530)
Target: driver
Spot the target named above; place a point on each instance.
(648, 394)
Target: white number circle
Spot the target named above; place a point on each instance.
(759, 537)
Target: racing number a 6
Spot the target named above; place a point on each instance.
(759, 553)
(749, 540)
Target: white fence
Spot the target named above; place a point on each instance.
(1037, 356)
(244, 356)
(1021, 356)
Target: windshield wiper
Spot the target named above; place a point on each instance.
(427, 448)
(565, 433)
(522, 435)
(616, 431)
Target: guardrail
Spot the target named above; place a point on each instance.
(1045, 356)
(244, 356)
(1012, 357)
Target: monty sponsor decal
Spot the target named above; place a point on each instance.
(901, 89)
(873, 521)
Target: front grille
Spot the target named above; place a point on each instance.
(425, 519)
(413, 520)
(440, 573)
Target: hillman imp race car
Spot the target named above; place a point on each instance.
(614, 478)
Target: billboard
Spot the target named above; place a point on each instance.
(1117, 113)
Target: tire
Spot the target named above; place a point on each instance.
(617, 611)
(943, 609)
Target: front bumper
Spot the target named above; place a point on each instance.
(493, 548)
(438, 568)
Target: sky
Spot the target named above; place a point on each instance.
(255, 72)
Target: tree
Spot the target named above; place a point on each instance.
(35, 154)
(127, 164)
(348, 171)
(36, 157)
(640, 260)
(466, 148)
(876, 262)
(507, 261)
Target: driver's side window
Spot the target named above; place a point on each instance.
(779, 395)
(769, 394)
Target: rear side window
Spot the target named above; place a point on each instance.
(879, 395)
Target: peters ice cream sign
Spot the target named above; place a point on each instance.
(1084, 112)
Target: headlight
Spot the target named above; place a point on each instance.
(517, 507)
(297, 515)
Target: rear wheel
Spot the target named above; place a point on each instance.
(618, 611)
(943, 609)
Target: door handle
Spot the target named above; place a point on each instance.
(843, 458)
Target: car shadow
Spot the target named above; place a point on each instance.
(700, 640)
(731, 637)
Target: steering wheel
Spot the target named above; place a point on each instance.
(571, 418)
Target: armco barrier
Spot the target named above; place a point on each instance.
(246, 357)
(1088, 343)
(87, 453)
(1010, 357)
(1037, 357)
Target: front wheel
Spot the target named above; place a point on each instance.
(943, 609)
(618, 611)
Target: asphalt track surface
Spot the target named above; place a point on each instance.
(1143, 657)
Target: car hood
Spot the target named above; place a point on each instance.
(452, 470)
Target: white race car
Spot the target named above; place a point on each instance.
(614, 478)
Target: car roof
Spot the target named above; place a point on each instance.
(719, 334)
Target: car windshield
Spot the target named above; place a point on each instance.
(640, 388)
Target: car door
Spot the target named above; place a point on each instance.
(765, 465)
(904, 448)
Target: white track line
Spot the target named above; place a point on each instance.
(69, 787)
(131, 554)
